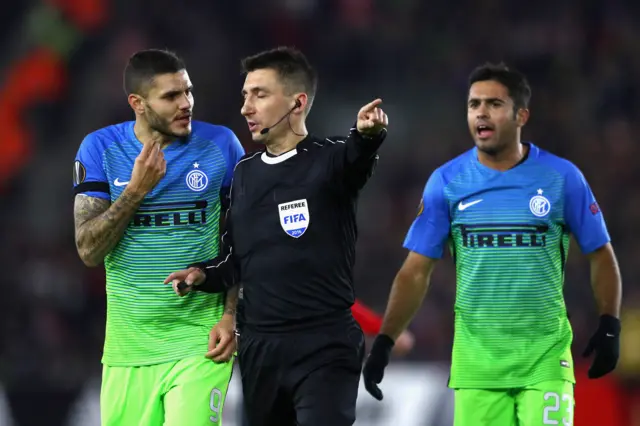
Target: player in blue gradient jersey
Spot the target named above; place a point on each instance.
(507, 210)
(149, 197)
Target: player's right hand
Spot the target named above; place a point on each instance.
(149, 167)
(376, 362)
(222, 340)
(184, 280)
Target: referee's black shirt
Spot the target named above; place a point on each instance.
(292, 228)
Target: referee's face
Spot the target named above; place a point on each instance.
(265, 103)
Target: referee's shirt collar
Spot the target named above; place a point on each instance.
(303, 145)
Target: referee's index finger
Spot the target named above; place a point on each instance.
(371, 105)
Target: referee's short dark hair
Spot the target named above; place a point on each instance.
(515, 82)
(292, 67)
(144, 65)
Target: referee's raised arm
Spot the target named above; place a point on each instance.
(371, 126)
(292, 218)
(360, 151)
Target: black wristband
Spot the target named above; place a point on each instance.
(610, 324)
(383, 342)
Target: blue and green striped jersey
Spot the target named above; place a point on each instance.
(177, 224)
(508, 233)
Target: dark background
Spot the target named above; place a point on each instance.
(61, 74)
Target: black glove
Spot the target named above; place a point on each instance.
(606, 344)
(375, 364)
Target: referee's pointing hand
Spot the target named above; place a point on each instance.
(371, 119)
(183, 281)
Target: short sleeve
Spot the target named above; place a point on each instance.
(430, 230)
(582, 214)
(89, 177)
(235, 152)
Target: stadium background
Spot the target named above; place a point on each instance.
(61, 73)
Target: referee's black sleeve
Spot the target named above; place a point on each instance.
(362, 149)
(220, 270)
(358, 157)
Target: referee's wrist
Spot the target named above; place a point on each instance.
(372, 137)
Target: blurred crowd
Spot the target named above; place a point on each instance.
(583, 63)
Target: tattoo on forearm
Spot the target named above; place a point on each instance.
(99, 225)
(231, 302)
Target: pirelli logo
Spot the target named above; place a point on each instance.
(503, 235)
(171, 214)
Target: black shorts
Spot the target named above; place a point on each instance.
(305, 379)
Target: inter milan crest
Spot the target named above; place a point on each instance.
(539, 205)
(197, 180)
(294, 217)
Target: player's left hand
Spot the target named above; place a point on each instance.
(371, 119)
(222, 340)
(606, 344)
(376, 362)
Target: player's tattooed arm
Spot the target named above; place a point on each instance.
(231, 301)
(606, 281)
(99, 225)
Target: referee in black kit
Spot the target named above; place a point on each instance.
(291, 237)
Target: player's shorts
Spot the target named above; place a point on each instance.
(186, 392)
(305, 379)
(547, 403)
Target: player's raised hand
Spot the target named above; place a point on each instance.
(222, 340)
(184, 280)
(149, 167)
(372, 119)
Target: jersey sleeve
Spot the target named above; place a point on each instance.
(233, 154)
(89, 177)
(582, 214)
(430, 230)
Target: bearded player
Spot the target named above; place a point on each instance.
(149, 196)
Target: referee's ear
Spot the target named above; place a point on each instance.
(302, 104)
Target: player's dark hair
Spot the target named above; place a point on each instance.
(515, 82)
(144, 65)
(292, 66)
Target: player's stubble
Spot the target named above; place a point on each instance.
(162, 125)
(506, 136)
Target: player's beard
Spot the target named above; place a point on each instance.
(501, 143)
(494, 149)
(159, 124)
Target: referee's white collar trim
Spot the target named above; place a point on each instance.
(280, 158)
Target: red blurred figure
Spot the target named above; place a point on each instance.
(371, 322)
